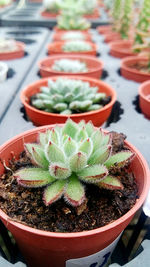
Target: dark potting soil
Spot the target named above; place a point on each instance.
(103, 206)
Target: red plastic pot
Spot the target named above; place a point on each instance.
(144, 98)
(121, 49)
(18, 53)
(47, 14)
(104, 29)
(56, 49)
(58, 36)
(43, 248)
(112, 36)
(131, 73)
(94, 65)
(39, 117)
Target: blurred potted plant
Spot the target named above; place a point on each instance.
(65, 160)
(68, 65)
(72, 47)
(54, 100)
(71, 17)
(50, 8)
(10, 49)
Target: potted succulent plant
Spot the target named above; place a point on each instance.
(144, 98)
(3, 71)
(126, 48)
(72, 35)
(137, 68)
(71, 17)
(77, 47)
(79, 172)
(10, 49)
(50, 9)
(91, 10)
(68, 65)
(87, 98)
(4, 3)
(123, 16)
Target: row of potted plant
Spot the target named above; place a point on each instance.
(71, 172)
(134, 49)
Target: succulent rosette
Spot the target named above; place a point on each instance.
(68, 157)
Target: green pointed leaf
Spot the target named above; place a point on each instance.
(39, 157)
(97, 139)
(86, 147)
(33, 177)
(54, 153)
(78, 161)
(81, 134)
(70, 128)
(59, 171)
(89, 128)
(100, 155)
(44, 138)
(111, 183)
(119, 159)
(82, 123)
(53, 192)
(74, 192)
(54, 136)
(107, 139)
(98, 97)
(70, 147)
(93, 174)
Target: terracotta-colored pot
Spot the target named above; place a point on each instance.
(94, 15)
(104, 29)
(43, 248)
(56, 49)
(121, 49)
(18, 53)
(47, 14)
(94, 65)
(58, 36)
(39, 117)
(112, 36)
(144, 98)
(56, 29)
(131, 73)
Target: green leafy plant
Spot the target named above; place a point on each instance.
(76, 46)
(71, 15)
(126, 19)
(68, 157)
(89, 6)
(51, 6)
(69, 65)
(142, 35)
(73, 36)
(66, 96)
(116, 14)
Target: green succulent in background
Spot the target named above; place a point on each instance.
(71, 15)
(116, 14)
(76, 46)
(126, 20)
(143, 25)
(51, 6)
(69, 65)
(5, 2)
(73, 36)
(68, 157)
(67, 96)
(89, 6)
